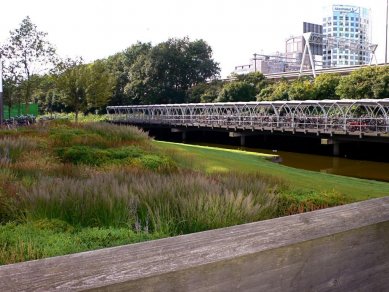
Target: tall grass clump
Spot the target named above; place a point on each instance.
(10, 207)
(97, 201)
(118, 134)
(11, 148)
(167, 203)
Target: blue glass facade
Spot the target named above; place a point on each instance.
(347, 33)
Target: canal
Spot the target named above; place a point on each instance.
(328, 164)
(361, 160)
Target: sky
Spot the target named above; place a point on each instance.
(235, 30)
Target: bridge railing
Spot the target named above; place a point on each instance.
(363, 116)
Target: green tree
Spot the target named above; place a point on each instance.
(119, 66)
(85, 87)
(205, 92)
(359, 84)
(100, 85)
(256, 79)
(300, 89)
(237, 91)
(169, 70)
(30, 53)
(73, 83)
(275, 91)
(381, 84)
(325, 86)
(47, 95)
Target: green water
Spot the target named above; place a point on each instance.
(335, 165)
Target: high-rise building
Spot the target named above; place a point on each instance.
(346, 36)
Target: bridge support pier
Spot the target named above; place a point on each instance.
(336, 148)
(335, 145)
(242, 137)
(242, 140)
(183, 133)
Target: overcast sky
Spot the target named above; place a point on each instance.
(234, 29)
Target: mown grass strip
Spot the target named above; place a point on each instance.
(212, 159)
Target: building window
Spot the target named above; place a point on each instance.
(352, 18)
(335, 29)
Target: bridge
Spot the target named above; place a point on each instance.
(331, 120)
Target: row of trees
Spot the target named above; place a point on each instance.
(369, 82)
(142, 73)
(175, 71)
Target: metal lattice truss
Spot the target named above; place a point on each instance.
(367, 116)
(330, 43)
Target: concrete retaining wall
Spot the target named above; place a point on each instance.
(337, 249)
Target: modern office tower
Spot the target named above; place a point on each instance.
(346, 36)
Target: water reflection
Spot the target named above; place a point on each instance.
(326, 164)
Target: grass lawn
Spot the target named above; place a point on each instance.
(212, 159)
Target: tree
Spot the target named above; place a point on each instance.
(47, 95)
(205, 92)
(325, 86)
(119, 66)
(256, 79)
(100, 84)
(237, 91)
(85, 87)
(300, 89)
(275, 91)
(168, 70)
(29, 53)
(73, 85)
(359, 84)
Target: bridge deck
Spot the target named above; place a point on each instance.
(361, 118)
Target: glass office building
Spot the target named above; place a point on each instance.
(347, 36)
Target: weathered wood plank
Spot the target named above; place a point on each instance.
(326, 245)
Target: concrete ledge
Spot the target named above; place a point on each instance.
(344, 248)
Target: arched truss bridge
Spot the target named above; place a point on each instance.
(360, 117)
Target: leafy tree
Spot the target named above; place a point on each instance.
(300, 89)
(325, 86)
(237, 91)
(29, 53)
(359, 84)
(119, 66)
(168, 70)
(205, 92)
(73, 83)
(381, 85)
(276, 91)
(48, 96)
(100, 84)
(257, 79)
(266, 94)
(85, 87)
